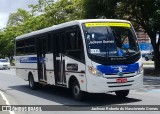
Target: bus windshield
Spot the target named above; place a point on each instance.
(110, 42)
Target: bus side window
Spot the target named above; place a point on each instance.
(74, 45)
(49, 44)
(29, 46)
(20, 47)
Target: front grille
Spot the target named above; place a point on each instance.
(127, 75)
(111, 80)
(4, 65)
(121, 85)
(123, 73)
(120, 77)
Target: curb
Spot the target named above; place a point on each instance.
(151, 78)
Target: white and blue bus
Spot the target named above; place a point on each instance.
(94, 56)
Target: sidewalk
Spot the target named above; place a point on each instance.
(151, 78)
(148, 73)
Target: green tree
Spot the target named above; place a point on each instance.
(145, 13)
(7, 40)
(14, 28)
(19, 17)
(63, 11)
(51, 13)
(44, 14)
(100, 8)
(39, 8)
(35, 23)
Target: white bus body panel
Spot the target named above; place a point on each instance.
(23, 69)
(50, 77)
(101, 85)
(50, 69)
(81, 77)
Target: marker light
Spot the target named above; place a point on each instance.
(95, 72)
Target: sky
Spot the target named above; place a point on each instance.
(11, 6)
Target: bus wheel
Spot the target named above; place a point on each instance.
(32, 83)
(122, 93)
(76, 91)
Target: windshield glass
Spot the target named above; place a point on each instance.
(114, 40)
(3, 61)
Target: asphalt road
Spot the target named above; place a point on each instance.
(17, 92)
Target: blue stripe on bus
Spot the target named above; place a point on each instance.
(112, 69)
(31, 59)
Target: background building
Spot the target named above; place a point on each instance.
(144, 42)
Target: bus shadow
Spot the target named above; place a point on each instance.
(64, 96)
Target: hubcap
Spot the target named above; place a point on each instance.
(76, 90)
(31, 82)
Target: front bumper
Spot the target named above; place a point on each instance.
(4, 67)
(109, 84)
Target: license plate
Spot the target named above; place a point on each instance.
(121, 80)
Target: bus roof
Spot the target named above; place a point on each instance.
(54, 27)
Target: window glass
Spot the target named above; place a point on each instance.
(30, 46)
(30, 49)
(25, 46)
(74, 45)
(49, 48)
(20, 51)
(30, 42)
(19, 43)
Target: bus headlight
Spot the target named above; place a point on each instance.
(95, 72)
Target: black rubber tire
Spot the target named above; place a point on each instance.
(32, 84)
(76, 91)
(122, 93)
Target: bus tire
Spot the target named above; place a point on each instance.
(76, 91)
(122, 93)
(32, 84)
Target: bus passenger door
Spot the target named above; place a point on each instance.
(42, 44)
(59, 59)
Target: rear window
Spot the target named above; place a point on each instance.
(3, 60)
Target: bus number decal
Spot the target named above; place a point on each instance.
(94, 50)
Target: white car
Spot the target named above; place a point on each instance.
(4, 64)
(149, 57)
